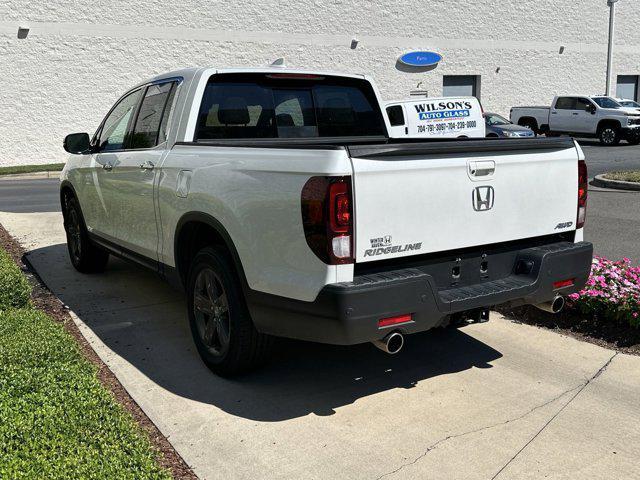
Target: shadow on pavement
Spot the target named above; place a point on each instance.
(144, 321)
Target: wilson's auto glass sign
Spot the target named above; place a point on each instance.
(441, 110)
(442, 117)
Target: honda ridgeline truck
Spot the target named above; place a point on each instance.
(277, 200)
(583, 116)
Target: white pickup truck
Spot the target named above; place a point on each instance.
(276, 199)
(583, 116)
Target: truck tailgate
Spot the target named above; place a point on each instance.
(417, 198)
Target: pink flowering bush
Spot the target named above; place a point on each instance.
(612, 292)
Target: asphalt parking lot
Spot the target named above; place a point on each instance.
(496, 400)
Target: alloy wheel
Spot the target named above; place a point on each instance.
(211, 311)
(74, 234)
(608, 135)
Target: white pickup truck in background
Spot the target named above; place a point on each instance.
(277, 200)
(583, 116)
(444, 117)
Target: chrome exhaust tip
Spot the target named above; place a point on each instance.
(554, 306)
(390, 344)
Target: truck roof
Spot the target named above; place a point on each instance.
(422, 99)
(189, 73)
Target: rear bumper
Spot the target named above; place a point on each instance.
(348, 313)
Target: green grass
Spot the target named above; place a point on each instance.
(57, 421)
(48, 167)
(15, 291)
(624, 176)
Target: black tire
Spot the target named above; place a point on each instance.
(609, 135)
(531, 125)
(634, 140)
(85, 256)
(221, 325)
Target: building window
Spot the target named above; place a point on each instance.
(627, 87)
(461, 86)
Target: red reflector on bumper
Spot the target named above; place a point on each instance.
(563, 283)
(385, 322)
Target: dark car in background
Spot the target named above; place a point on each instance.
(498, 126)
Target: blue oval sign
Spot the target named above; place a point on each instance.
(421, 59)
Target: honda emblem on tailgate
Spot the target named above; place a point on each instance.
(482, 198)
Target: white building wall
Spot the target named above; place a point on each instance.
(80, 56)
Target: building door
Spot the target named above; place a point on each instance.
(461, 86)
(627, 87)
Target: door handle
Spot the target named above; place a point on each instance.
(554, 113)
(482, 168)
(575, 113)
(107, 166)
(147, 165)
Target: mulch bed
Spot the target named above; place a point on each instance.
(615, 336)
(46, 301)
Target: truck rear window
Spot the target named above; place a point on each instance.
(283, 105)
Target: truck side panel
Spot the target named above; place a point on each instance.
(255, 194)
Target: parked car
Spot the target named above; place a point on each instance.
(277, 200)
(498, 126)
(628, 103)
(584, 116)
(444, 117)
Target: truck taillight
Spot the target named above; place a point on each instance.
(583, 183)
(327, 218)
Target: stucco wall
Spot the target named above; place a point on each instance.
(80, 56)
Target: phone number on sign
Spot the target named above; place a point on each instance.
(444, 127)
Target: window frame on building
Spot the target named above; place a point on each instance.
(473, 81)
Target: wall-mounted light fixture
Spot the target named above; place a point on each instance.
(498, 70)
(23, 31)
(354, 43)
(561, 49)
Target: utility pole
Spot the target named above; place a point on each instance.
(612, 22)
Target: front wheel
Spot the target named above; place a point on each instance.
(609, 135)
(221, 325)
(85, 256)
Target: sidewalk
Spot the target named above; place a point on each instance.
(494, 400)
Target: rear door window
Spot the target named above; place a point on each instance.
(153, 110)
(566, 103)
(255, 106)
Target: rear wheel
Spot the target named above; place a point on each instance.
(221, 325)
(530, 124)
(609, 135)
(86, 257)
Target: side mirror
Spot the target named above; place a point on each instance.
(591, 109)
(77, 143)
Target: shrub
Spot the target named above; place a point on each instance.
(15, 291)
(57, 421)
(611, 293)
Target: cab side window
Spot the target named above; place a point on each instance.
(151, 122)
(396, 116)
(114, 129)
(583, 104)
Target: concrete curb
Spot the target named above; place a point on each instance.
(30, 176)
(600, 181)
